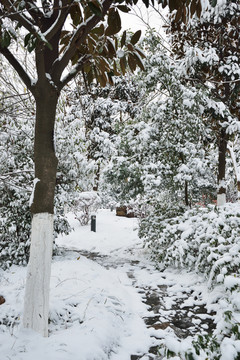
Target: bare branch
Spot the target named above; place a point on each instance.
(16, 15)
(34, 11)
(60, 13)
(18, 67)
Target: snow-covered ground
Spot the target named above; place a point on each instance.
(96, 307)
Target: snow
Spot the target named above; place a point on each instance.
(108, 315)
(97, 310)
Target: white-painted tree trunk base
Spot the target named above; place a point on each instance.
(221, 199)
(36, 301)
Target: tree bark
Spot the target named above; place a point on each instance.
(44, 152)
(36, 302)
(222, 148)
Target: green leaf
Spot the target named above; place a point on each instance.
(5, 39)
(95, 9)
(136, 37)
(48, 45)
(26, 39)
(98, 30)
(213, 3)
(76, 14)
(31, 44)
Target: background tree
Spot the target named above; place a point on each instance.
(166, 148)
(210, 52)
(91, 47)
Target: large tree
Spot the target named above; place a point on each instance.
(210, 51)
(60, 33)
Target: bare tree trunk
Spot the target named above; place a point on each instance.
(222, 148)
(36, 302)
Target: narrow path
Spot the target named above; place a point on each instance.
(171, 305)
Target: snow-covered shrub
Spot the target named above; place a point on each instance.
(203, 239)
(224, 342)
(16, 182)
(85, 205)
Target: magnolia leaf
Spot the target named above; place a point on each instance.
(114, 22)
(115, 70)
(110, 79)
(146, 2)
(76, 14)
(199, 8)
(87, 67)
(90, 76)
(132, 62)
(98, 30)
(192, 7)
(124, 8)
(91, 46)
(138, 61)
(26, 39)
(164, 3)
(103, 65)
(178, 15)
(5, 39)
(74, 59)
(111, 49)
(136, 37)
(130, 47)
(95, 9)
(123, 39)
(102, 79)
(141, 53)
(123, 64)
(174, 4)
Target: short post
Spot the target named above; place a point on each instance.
(93, 223)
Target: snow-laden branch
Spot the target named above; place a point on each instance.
(34, 11)
(63, 9)
(235, 166)
(233, 157)
(77, 68)
(14, 14)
